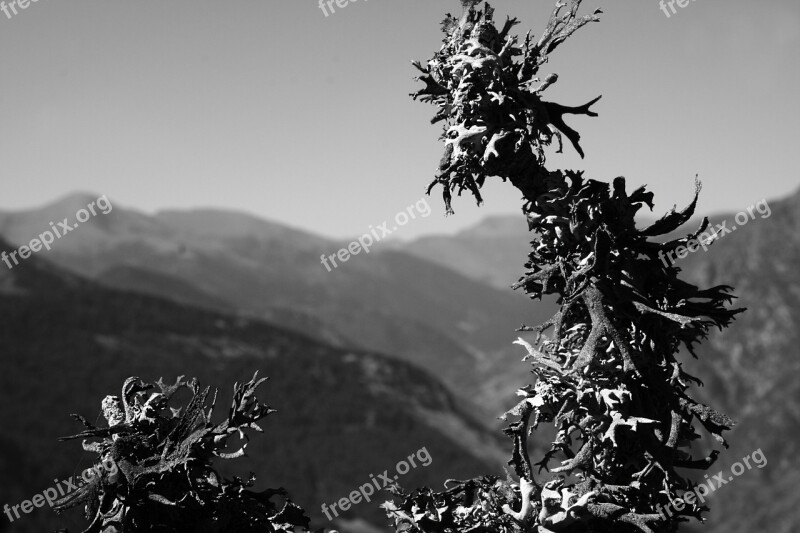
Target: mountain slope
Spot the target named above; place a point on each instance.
(386, 301)
(493, 251)
(751, 371)
(342, 414)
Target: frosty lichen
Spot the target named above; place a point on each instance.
(608, 375)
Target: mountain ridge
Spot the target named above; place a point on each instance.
(342, 413)
(387, 301)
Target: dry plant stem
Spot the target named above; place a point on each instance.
(525, 513)
(522, 465)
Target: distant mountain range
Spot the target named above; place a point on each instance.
(439, 303)
(752, 370)
(387, 301)
(342, 414)
(494, 251)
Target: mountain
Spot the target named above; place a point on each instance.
(751, 370)
(387, 301)
(440, 316)
(493, 251)
(342, 414)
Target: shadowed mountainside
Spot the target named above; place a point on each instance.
(386, 301)
(750, 371)
(342, 414)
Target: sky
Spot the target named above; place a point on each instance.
(273, 108)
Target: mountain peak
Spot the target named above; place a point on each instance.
(68, 204)
(72, 202)
(497, 226)
(222, 223)
(794, 198)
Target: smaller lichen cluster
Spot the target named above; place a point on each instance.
(163, 479)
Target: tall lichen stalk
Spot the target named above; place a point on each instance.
(606, 365)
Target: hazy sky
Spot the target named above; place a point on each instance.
(271, 107)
